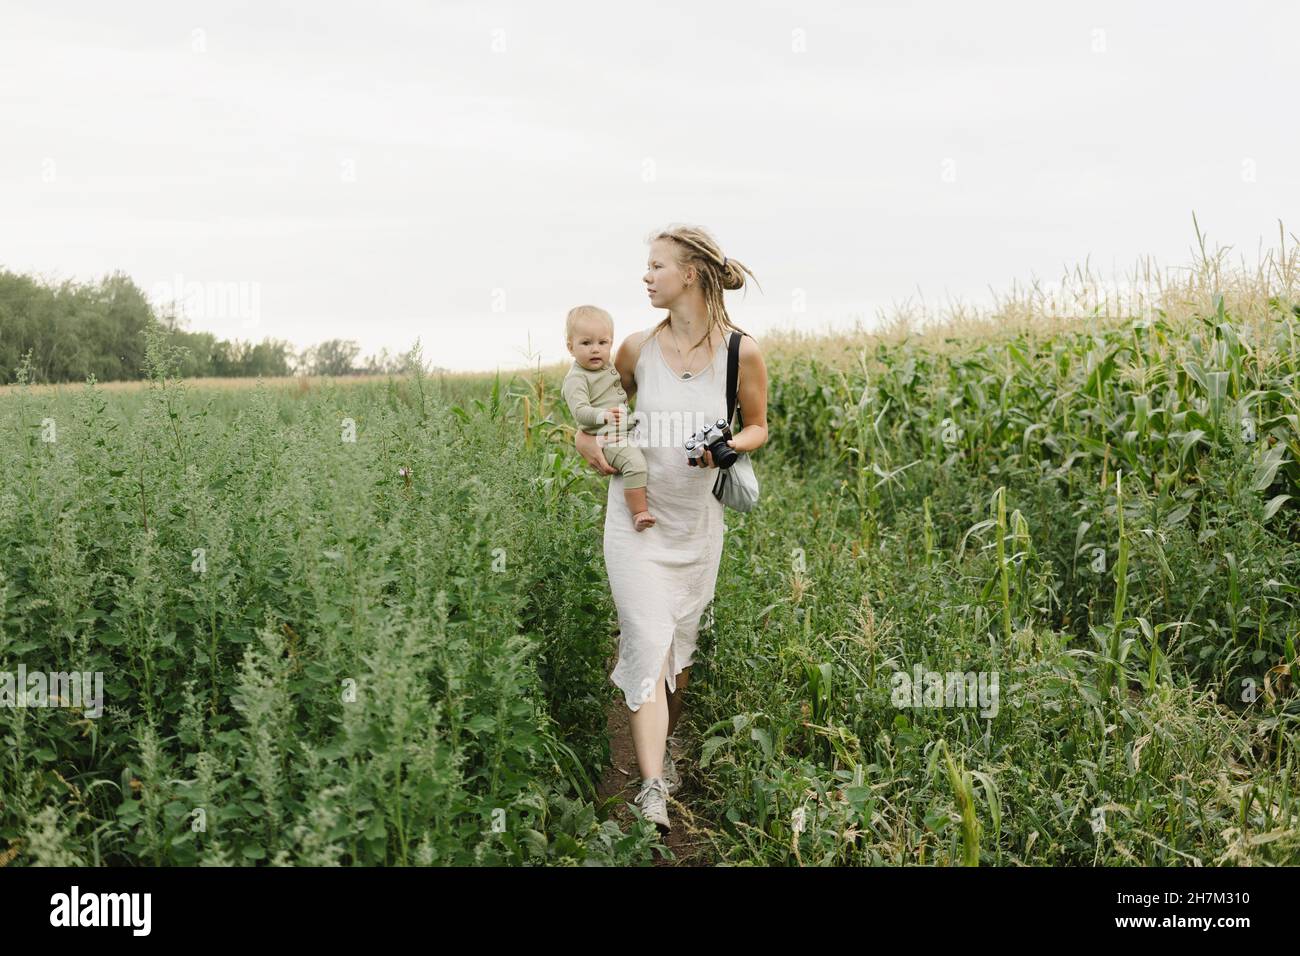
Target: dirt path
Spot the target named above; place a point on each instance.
(687, 842)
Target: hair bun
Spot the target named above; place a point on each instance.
(731, 276)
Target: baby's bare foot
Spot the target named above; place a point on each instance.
(643, 520)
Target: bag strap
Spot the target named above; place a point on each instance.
(733, 372)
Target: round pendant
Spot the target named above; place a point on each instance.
(686, 375)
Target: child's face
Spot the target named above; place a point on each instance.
(591, 342)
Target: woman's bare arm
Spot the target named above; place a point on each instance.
(625, 361)
(751, 395)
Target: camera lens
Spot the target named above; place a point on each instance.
(724, 456)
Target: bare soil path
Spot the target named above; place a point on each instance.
(687, 841)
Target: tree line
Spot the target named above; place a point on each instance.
(73, 330)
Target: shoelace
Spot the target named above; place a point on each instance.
(647, 786)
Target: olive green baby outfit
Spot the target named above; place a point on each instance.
(589, 392)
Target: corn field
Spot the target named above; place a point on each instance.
(338, 625)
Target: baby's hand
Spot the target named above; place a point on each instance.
(614, 415)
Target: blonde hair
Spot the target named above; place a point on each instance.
(696, 247)
(580, 312)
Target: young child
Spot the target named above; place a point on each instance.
(594, 391)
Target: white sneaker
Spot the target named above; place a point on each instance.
(653, 802)
(671, 778)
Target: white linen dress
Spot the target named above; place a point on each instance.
(663, 578)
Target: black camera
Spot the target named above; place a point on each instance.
(714, 438)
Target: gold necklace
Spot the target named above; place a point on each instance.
(687, 374)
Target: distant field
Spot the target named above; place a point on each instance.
(1020, 590)
(300, 383)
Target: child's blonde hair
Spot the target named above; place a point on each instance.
(580, 312)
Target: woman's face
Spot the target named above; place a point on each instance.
(664, 279)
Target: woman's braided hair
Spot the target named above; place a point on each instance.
(716, 273)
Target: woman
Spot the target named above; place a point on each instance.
(662, 578)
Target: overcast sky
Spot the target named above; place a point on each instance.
(467, 172)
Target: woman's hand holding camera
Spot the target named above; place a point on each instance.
(708, 457)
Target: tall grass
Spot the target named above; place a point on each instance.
(316, 650)
(394, 650)
(1100, 510)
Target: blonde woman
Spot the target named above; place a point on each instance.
(663, 578)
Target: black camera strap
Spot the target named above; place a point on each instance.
(733, 372)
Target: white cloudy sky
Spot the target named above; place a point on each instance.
(466, 172)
